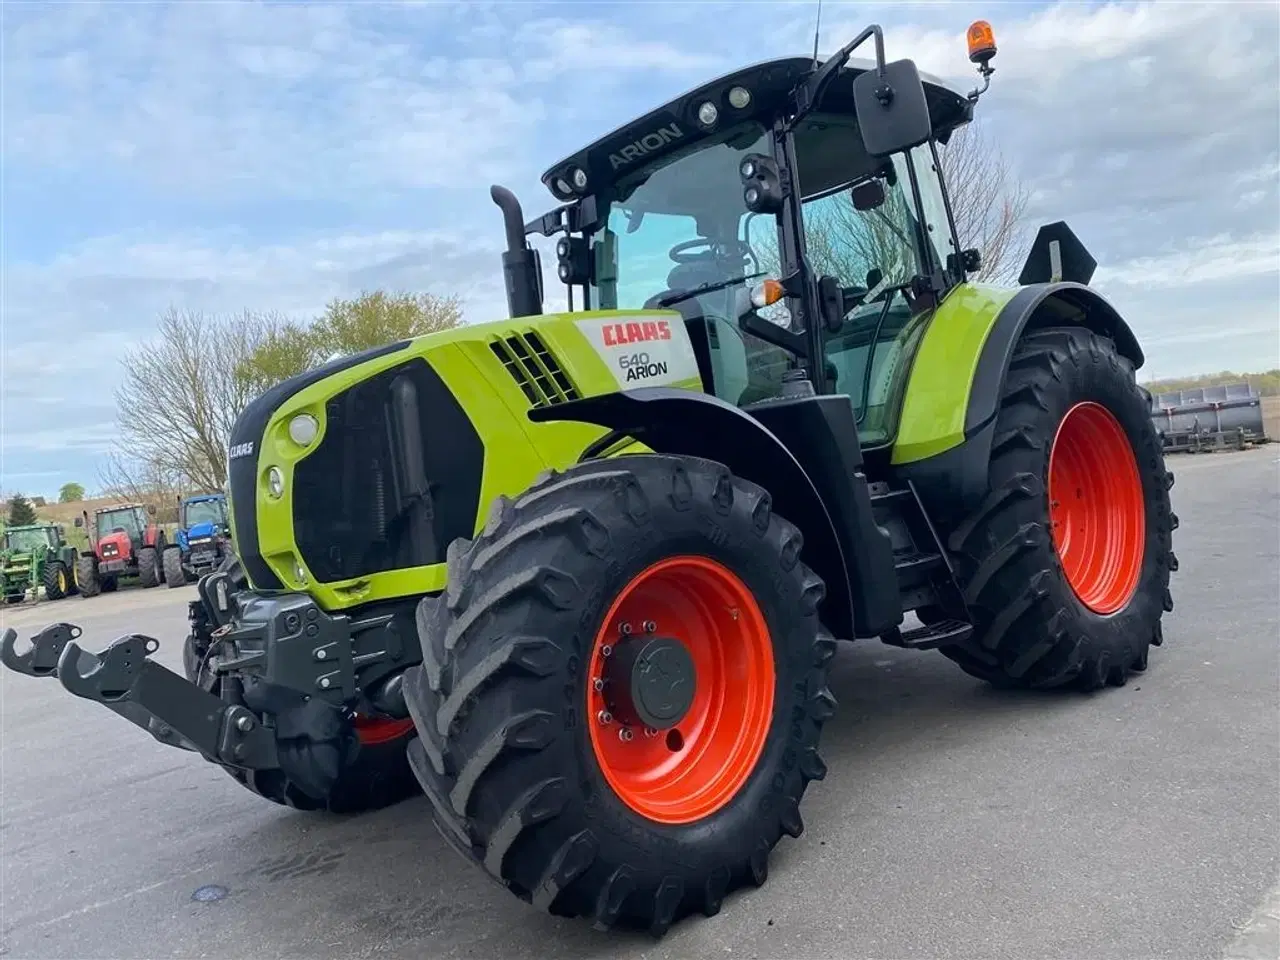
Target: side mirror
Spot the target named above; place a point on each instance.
(892, 110)
(868, 195)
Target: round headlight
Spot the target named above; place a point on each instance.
(562, 186)
(708, 114)
(303, 429)
(752, 196)
(748, 169)
(739, 97)
(275, 483)
(580, 178)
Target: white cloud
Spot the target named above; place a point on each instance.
(1212, 258)
(271, 156)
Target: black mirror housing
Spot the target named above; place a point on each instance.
(867, 195)
(893, 113)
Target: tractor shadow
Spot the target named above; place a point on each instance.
(390, 878)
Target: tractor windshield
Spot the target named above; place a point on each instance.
(679, 224)
(110, 521)
(26, 541)
(204, 511)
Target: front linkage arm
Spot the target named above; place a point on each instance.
(125, 680)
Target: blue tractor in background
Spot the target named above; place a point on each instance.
(203, 539)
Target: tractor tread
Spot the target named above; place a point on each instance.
(174, 575)
(499, 741)
(1030, 631)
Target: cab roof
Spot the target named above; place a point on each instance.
(675, 124)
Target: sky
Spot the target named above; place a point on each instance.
(222, 156)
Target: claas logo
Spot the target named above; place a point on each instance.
(623, 334)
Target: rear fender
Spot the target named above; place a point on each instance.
(955, 477)
(685, 423)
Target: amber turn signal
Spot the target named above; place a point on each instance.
(982, 42)
(766, 293)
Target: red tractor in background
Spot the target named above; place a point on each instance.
(124, 541)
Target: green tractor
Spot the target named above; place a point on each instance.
(35, 556)
(580, 576)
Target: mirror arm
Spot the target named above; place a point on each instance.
(807, 94)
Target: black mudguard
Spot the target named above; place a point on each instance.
(684, 423)
(957, 479)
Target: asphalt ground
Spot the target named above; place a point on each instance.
(956, 821)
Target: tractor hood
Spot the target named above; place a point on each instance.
(198, 531)
(113, 546)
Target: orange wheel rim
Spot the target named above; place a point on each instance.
(1096, 508)
(375, 730)
(691, 766)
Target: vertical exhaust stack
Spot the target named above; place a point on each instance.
(521, 265)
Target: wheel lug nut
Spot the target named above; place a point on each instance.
(650, 732)
(625, 735)
(650, 626)
(624, 628)
(606, 651)
(604, 716)
(598, 684)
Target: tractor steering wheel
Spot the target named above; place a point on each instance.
(680, 253)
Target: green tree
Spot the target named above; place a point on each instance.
(70, 493)
(21, 512)
(348, 326)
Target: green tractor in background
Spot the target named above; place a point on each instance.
(580, 577)
(36, 556)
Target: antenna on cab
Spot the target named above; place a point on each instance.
(817, 31)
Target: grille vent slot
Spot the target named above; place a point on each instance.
(535, 369)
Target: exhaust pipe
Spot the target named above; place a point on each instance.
(521, 265)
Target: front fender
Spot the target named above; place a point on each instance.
(685, 423)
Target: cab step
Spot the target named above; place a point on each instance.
(944, 633)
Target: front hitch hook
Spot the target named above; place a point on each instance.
(46, 649)
(108, 676)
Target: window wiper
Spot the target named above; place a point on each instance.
(674, 298)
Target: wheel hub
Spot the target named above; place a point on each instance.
(650, 681)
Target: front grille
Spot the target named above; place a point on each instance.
(395, 479)
(535, 369)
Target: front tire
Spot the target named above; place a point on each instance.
(57, 582)
(174, 575)
(87, 581)
(1066, 563)
(528, 776)
(148, 567)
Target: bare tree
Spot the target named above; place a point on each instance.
(988, 202)
(180, 398)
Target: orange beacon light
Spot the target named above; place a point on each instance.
(982, 42)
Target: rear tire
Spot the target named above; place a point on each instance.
(87, 581)
(148, 567)
(1086, 614)
(57, 582)
(511, 748)
(174, 575)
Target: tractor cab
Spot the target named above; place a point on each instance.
(795, 219)
(203, 516)
(122, 526)
(30, 539)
